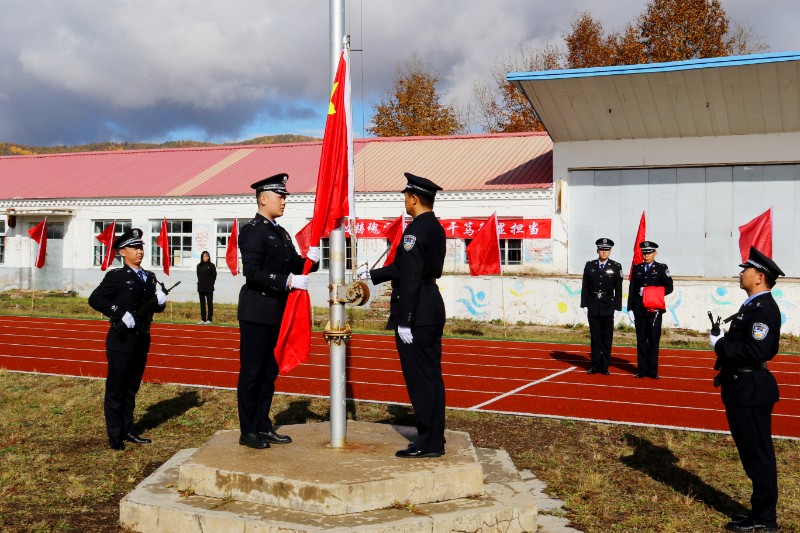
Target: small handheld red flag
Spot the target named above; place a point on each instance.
(163, 243)
(637, 252)
(39, 234)
(483, 253)
(107, 238)
(232, 252)
(394, 232)
(758, 233)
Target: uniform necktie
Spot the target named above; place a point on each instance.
(646, 268)
(142, 276)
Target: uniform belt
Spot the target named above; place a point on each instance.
(429, 281)
(746, 369)
(599, 294)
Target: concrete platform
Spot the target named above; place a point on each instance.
(502, 503)
(309, 475)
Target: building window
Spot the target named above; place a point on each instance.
(99, 249)
(180, 242)
(325, 249)
(2, 241)
(223, 235)
(55, 230)
(510, 251)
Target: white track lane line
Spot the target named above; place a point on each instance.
(531, 384)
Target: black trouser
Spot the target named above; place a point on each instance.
(648, 335)
(257, 374)
(601, 334)
(207, 298)
(751, 429)
(421, 362)
(125, 371)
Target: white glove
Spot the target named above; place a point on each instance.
(712, 339)
(641, 291)
(299, 282)
(363, 272)
(405, 334)
(585, 311)
(161, 296)
(128, 320)
(633, 319)
(313, 254)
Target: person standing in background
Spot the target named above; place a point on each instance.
(206, 276)
(601, 300)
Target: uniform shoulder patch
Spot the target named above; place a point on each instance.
(760, 331)
(408, 242)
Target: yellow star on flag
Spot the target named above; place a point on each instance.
(331, 107)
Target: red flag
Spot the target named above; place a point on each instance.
(232, 252)
(303, 238)
(483, 253)
(163, 243)
(394, 232)
(637, 252)
(758, 233)
(39, 234)
(107, 238)
(334, 197)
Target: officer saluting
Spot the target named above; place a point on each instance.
(128, 339)
(417, 314)
(601, 300)
(271, 267)
(749, 390)
(647, 321)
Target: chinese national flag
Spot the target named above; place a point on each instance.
(334, 197)
(232, 252)
(483, 253)
(394, 232)
(637, 252)
(163, 243)
(107, 238)
(758, 233)
(303, 238)
(39, 234)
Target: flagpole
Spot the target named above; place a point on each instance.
(338, 260)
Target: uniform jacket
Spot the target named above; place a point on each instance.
(418, 263)
(268, 257)
(206, 276)
(601, 292)
(658, 275)
(118, 293)
(752, 339)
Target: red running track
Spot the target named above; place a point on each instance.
(525, 378)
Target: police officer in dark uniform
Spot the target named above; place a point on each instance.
(128, 339)
(647, 321)
(601, 300)
(749, 390)
(271, 268)
(417, 314)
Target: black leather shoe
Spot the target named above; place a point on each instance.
(638, 375)
(136, 438)
(605, 372)
(116, 444)
(274, 438)
(592, 370)
(413, 453)
(655, 377)
(251, 440)
(747, 525)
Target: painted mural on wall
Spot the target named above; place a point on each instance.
(556, 301)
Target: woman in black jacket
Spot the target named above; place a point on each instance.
(206, 276)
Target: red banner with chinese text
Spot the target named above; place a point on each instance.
(464, 228)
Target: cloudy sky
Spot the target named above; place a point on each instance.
(79, 71)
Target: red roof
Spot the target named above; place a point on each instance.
(465, 162)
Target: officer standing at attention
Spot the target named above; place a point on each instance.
(601, 300)
(128, 339)
(271, 268)
(647, 321)
(417, 314)
(749, 390)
